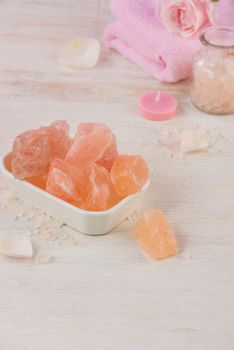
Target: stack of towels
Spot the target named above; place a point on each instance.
(140, 35)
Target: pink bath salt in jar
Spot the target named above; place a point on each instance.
(212, 89)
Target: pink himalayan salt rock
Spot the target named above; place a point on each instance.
(60, 141)
(109, 155)
(34, 150)
(43, 258)
(88, 186)
(99, 192)
(38, 181)
(129, 174)
(66, 182)
(156, 235)
(90, 143)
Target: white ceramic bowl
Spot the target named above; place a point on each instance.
(88, 222)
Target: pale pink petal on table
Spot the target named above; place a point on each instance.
(43, 258)
(18, 246)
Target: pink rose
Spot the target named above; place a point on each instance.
(185, 17)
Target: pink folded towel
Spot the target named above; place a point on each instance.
(138, 36)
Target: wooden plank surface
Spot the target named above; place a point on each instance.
(103, 293)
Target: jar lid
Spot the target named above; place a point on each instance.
(218, 37)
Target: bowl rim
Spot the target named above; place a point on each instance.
(40, 191)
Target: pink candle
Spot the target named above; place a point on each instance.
(157, 106)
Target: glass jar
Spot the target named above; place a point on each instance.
(212, 88)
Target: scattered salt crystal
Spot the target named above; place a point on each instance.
(154, 139)
(192, 141)
(29, 233)
(80, 53)
(9, 198)
(19, 214)
(134, 216)
(179, 156)
(37, 222)
(169, 155)
(3, 184)
(198, 137)
(164, 131)
(50, 234)
(52, 222)
(43, 258)
(74, 242)
(40, 220)
(44, 227)
(65, 236)
(17, 246)
(175, 146)
(29, 212)
(188, 256)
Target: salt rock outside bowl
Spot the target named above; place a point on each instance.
(87, 222)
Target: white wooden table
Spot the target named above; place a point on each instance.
(103, 293)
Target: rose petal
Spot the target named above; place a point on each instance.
(185, 17)
(80, 53)
(192, 141)
(16, 247)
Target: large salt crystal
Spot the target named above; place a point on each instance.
(30, 154)
(34, 150)
(38, 181)
(66, 182)
(156, 235)
(129, 174)
(109, 155)
(90, 143)
(88, 187)
(80, 53)
(99, 192)
(43, 258)
(17, 246)
(193, 141)
(60, 142)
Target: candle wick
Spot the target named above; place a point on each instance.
(158, 95)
